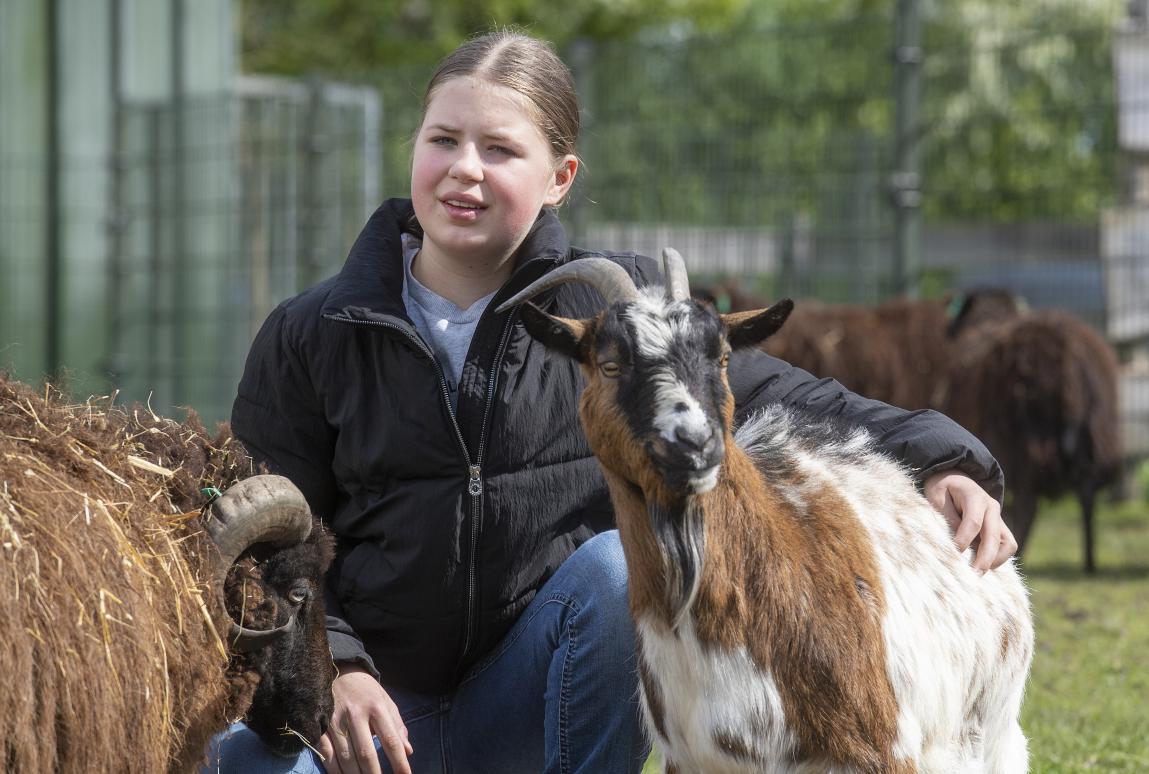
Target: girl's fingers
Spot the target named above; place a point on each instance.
(987, 550)
(324, 748)
(1007, 547)
(361, 749)
(393, 740)
(340, 761)
(969, 529)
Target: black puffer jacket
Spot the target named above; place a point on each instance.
(448, 524)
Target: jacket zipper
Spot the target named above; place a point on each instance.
(475, 488)
(474, 469)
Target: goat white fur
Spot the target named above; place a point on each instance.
(957, 645)
(799, 605)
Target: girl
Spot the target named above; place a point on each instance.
(477, 603)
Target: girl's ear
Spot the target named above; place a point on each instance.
(564, 176)
(558, 333)
(749, 329)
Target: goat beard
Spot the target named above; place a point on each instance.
(681, 536)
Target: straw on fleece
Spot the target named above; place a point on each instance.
(111, 649)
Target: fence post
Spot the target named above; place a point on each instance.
(906, 180)
(54, 215)
(156, 260)
(180, 304)
(1133, 114)
(373, 172)
(315, 146)
(580, 59)
(116, 225)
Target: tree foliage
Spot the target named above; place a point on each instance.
(743, 112)
(735, 128)
(353, 38)
(1020, 113)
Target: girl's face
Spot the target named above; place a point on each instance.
(482, 170)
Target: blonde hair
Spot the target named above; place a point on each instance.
(530, 67)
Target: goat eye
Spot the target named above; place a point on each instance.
(724, 360)
(609, 369)
(299, 594)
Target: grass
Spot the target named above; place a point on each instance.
(1087, 705)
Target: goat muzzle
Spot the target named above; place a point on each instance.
(689, 467)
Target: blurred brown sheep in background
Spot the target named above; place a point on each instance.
(1039, 388)
(895, 352)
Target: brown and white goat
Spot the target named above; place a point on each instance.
(799, 605)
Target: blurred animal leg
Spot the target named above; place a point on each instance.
(1087, 496)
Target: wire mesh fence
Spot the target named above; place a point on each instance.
(177, 244)
(261, 198)
(768, 155)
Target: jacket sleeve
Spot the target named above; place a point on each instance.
(280, 420)
(926, 441)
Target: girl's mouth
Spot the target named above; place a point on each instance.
(462, 210)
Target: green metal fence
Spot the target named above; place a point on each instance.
(842, 161)
(175, 244)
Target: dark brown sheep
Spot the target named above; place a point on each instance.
(119, 652)
(1040, 389)
(917, 331)
(895, 352)
(841, 342)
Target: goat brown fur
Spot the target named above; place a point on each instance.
(854, 727)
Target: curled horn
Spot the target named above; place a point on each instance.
(260, 509)
(677, 282)
(605, 276)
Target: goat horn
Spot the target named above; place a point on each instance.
(245, 640)
(674, 269)
(605, 276)
(260, 509)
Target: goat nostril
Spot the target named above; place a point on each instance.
(714, 446)
(695, 438)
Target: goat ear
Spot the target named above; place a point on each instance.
(558, 333)
(748, 329)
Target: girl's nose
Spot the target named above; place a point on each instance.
(467, 165)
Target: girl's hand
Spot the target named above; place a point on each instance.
(974, 518)
(363, 710)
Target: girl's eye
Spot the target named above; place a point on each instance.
(609, 369)
(442, 140)
(502, 150)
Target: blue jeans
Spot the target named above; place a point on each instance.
(558, 694)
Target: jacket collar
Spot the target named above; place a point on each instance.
(370, 285)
